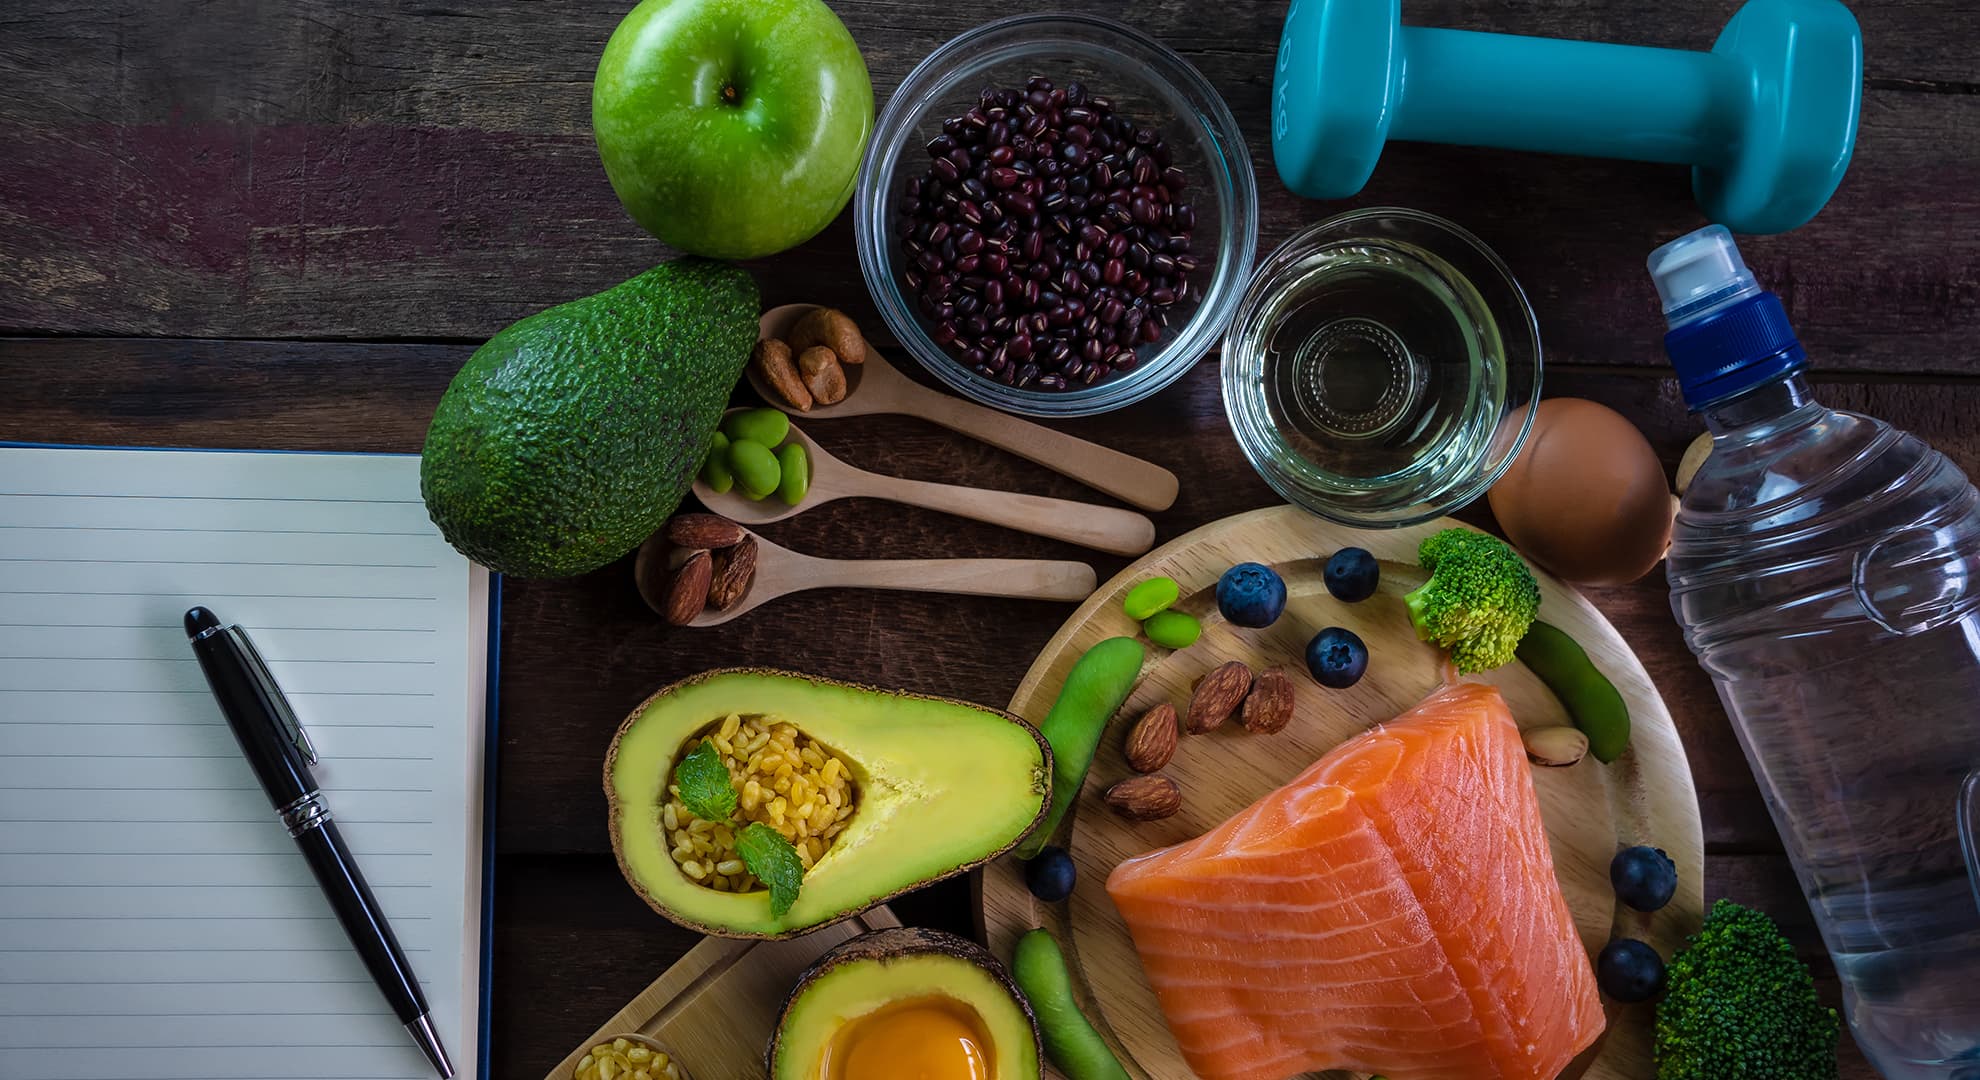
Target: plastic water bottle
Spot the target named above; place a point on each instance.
(1826, 570)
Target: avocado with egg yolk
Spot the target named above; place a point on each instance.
(906, 1003)
(936, 788)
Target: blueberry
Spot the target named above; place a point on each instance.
(1336, 657)
(1644, 877)
(1251, 594)
(1352, 575)
(1629, 971)
(1050, 875)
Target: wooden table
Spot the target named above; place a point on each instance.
(237, 223)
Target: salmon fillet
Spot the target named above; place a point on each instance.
(1392, 910)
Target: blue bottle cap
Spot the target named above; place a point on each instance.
(1727, 334)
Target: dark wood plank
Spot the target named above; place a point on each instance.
(573, 944)
(418, 172)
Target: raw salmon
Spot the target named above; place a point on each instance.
(1392, 910)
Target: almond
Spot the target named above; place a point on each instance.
(687, 592)
(1269, 707)
(1145, 798)
(1153, 741)
(734, 570)
(772, 360)
(1217, 696)
(704, 531)
(1554, 747)
(822, 375)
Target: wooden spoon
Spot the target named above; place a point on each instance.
(876, 387)
(1103, 528)
(781, 571)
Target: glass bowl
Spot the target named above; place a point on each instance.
(1149, 85)
(1379, 368)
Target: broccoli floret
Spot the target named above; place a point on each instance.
(1479, 601)
(1741, 1006)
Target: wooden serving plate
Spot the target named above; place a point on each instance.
(1590, 809)
(715, 1008)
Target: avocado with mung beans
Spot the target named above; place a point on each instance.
(877, 792)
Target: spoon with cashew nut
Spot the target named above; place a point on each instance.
(876, 387)
(1103, 528)
(780, 571)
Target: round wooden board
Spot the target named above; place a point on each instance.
(1590, 809)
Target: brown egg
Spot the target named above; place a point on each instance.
(1586, 498)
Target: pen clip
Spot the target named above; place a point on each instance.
(272, 693)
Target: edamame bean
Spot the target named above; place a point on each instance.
(1172, 629)
(1039, 969)
(796, 466)
(766, 427)
(756, 468)
(1592, 701)
(1095, 689)
(1149, 597)
(715, 468)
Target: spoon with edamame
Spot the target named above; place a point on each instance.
(1103, 528)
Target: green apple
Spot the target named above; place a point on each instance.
(732, 128)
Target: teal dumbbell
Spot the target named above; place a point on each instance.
(1767, 119)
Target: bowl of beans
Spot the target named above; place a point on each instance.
(1057, 215)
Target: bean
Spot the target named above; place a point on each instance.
(1172, 629)
(765, 427)
(715, 468)
(1094, 691)
(794, 463)
(1039, 969)
(756, 469)
(1151, 596)
(1591, 700)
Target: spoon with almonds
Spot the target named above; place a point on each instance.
(876, 387)
(1103, 528)
(781, 571)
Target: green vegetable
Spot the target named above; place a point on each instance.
(1479, 601)
(796, 467)
(765, 427)
(1070, 1041)
(756, 468)
(571, 436)
(1149, 597)
(1095, 689)
(1741, 1006)
(715, 468)
(1592, 701)
(775, 863)
(1173, 629)
(706, 787)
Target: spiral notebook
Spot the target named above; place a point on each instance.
(155, 919)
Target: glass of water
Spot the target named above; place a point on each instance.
(1379, 368)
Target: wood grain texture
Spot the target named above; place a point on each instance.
(1590, 809)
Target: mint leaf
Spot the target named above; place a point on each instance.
(774, 862)
(704, 783)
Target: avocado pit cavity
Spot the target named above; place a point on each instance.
(936, 1036)
(783, 778)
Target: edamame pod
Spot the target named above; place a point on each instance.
(715, 468)
(1592, 701)
(756, 468)
(765, 427)
(796, 479)
(1095, 689)
(1039, 969)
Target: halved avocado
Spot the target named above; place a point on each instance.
(940, 786)
(906, 1002)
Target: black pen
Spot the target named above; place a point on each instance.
(280, 753)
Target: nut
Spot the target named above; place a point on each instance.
(704, 531)
(687, 591)
(1145, 798)
(1217, 696)
(833, 329)
(822, 375)
(1554, 747)
(1269, 707)
(1693, 460)
(1153, 741)
(772, 360)
(734, 570)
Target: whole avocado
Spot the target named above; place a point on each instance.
(572, 435)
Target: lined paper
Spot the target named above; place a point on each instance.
(155, 919)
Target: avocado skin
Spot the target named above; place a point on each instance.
(572, 435)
